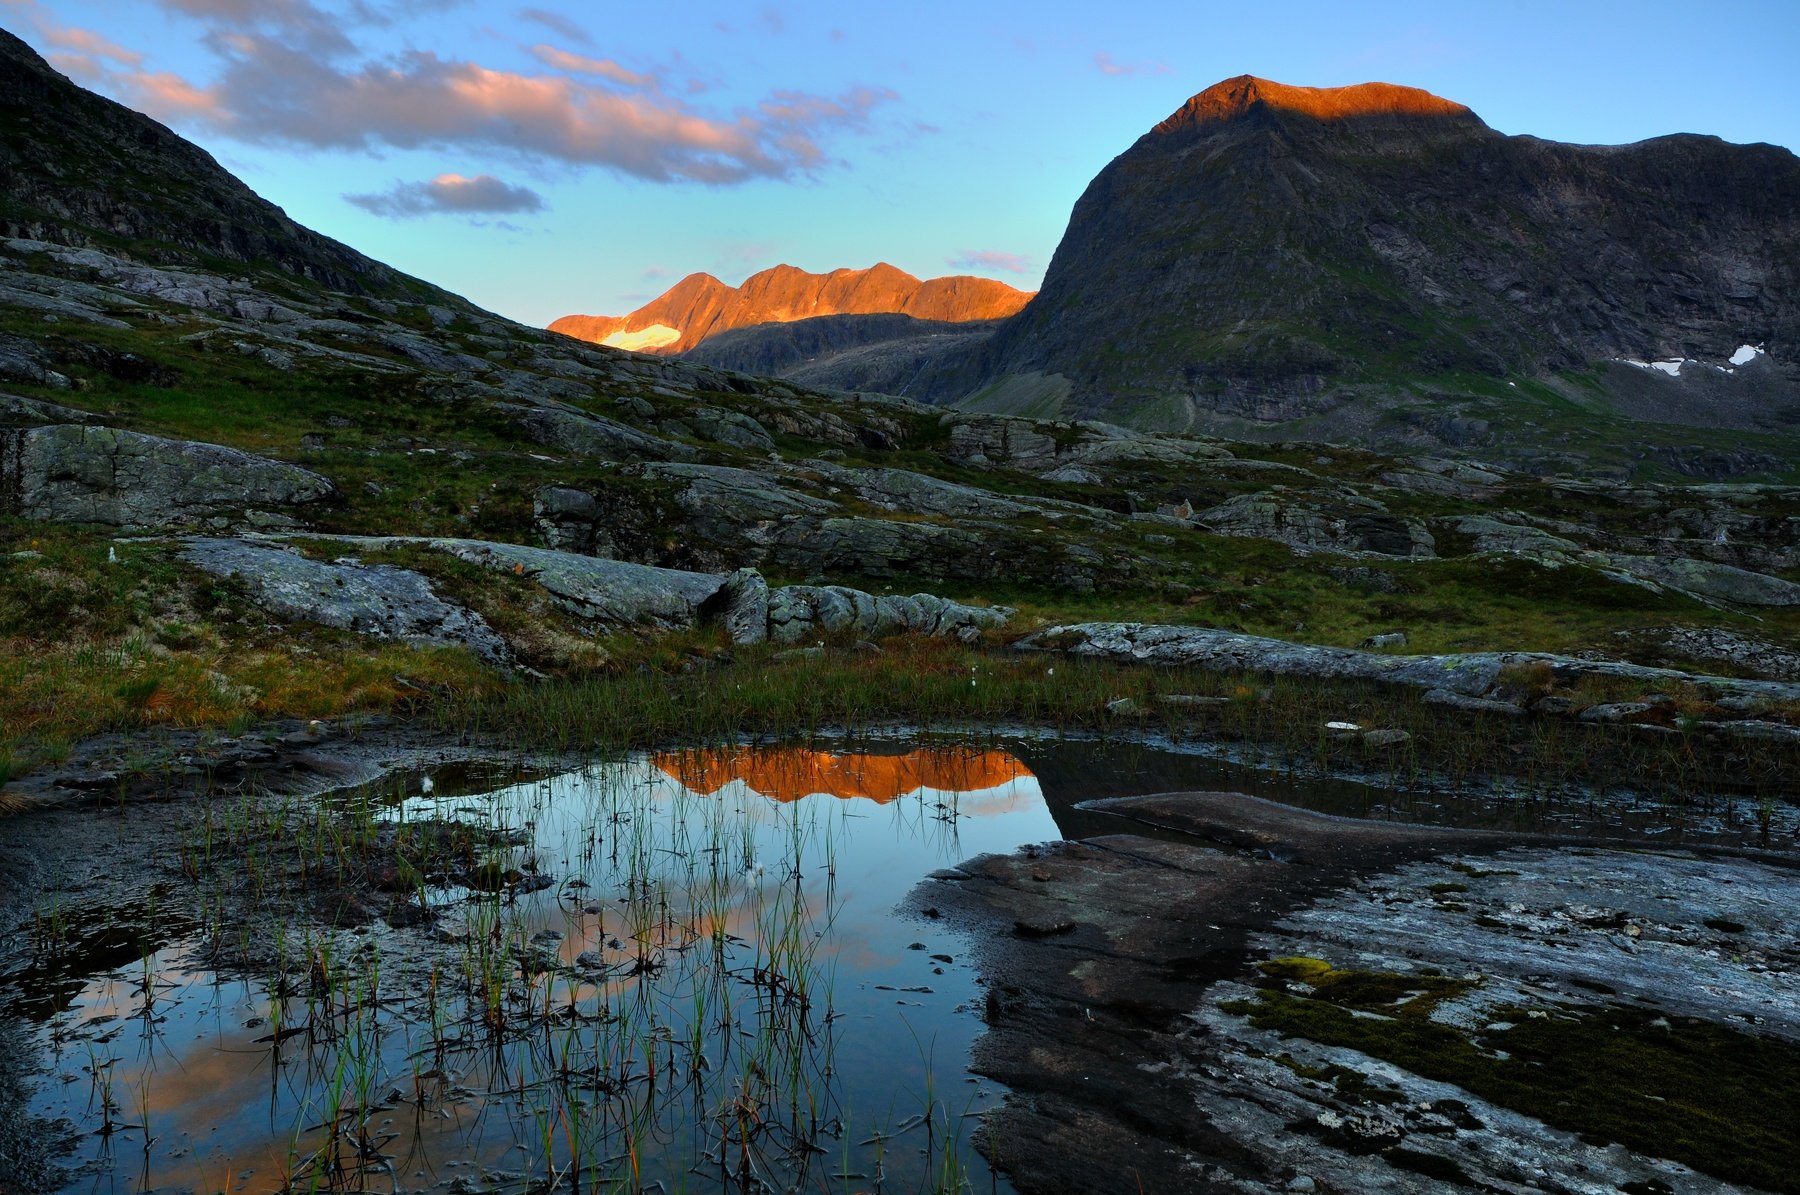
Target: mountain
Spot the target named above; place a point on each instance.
(700, 306)
(1358, 262)
(127, 183)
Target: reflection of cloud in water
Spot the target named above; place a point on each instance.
(791, 773)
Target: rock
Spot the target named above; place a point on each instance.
(1715, 645)
(746, 598)
(1497, 537)
(614, 593)
(1775, 732)
(1191, 701)
(1387, 639)
(1385, 738)
(1472, 705)
(1015, 443)
(1122, 707)
(376, 600)
(917, 493)
(799, 611)
(582, 434)
(16, 411)
(1618, 711)
(730, 427)
(1474, 675)
(1705, 579)
(1350, 524)
(76, 474)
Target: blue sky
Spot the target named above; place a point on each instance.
(551, 157)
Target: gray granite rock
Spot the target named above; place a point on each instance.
(375, 600)
(1475, 675)
(77, 474)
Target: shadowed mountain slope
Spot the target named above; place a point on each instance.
(126, 183)
(1272, 253)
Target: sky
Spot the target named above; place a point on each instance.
(552, 157)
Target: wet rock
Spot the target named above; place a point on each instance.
(376, 600)
(79, 474)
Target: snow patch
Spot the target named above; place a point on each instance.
(653, 337)
(1746, 353)
(1672, 367)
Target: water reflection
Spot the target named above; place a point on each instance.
(713, 991)
(791, 773)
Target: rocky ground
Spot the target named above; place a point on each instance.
(1243, 996)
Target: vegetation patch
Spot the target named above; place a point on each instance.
(1715, 1098)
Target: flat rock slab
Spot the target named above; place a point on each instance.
(75, 474)
(376, 600)
(1472, 674)
(1111, 964)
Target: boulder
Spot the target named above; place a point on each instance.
(17, 411)
(581, 434)
(799, 611)
(1350, 524)
(733, 428)
(1707, 580)
(746, 600)
(376, 600)
(75, 474)
(610, 592)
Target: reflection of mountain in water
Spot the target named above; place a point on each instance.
(790, 773)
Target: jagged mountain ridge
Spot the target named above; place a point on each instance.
(700, 306)
(1267, 250)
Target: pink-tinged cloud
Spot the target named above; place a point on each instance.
(88, 44)
(450, 193)
(271, 92)
(558, 24)
(990, 260)
(604, 68)
(1106, 64)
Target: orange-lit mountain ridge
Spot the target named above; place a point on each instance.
(700, 305)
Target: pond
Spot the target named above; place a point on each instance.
(689, 970)
(712, 989)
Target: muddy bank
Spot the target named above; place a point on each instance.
(1146, 1049)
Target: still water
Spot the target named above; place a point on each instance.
(715, 990)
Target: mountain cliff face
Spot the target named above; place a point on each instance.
(700, 306)
(124, 182)
(1270, 253)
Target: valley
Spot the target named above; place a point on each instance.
(1162, 743)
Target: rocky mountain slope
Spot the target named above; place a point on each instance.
(83, 171)
(700, 306)
(1376, 264)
